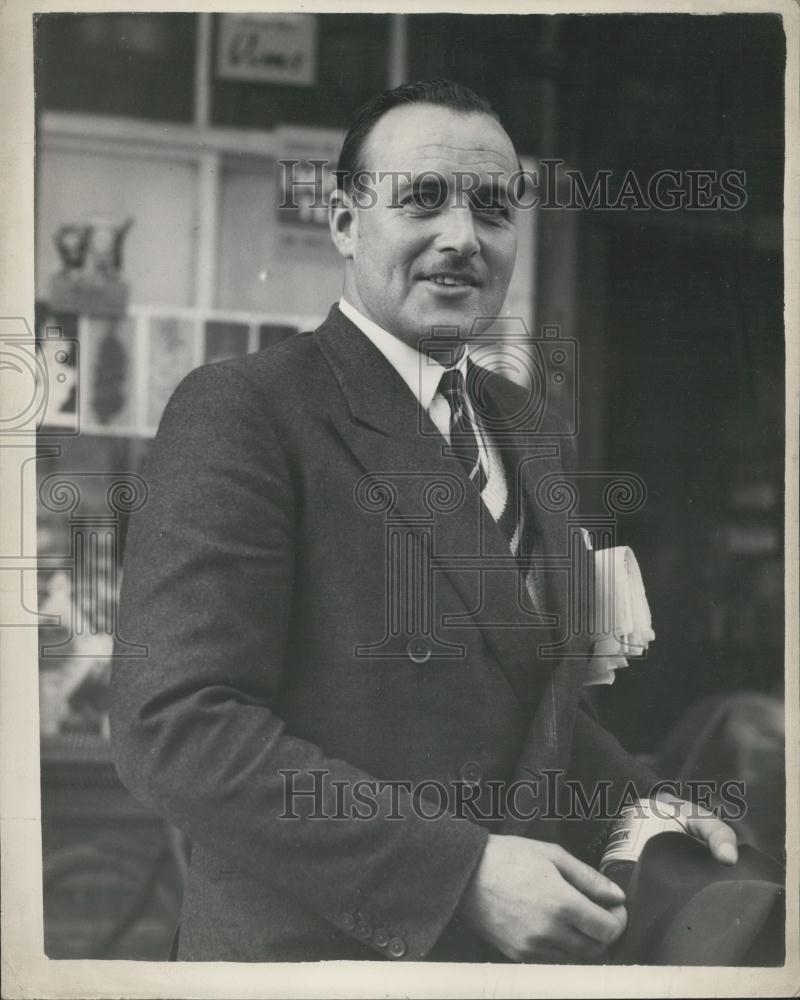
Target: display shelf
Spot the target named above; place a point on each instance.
(154, 348)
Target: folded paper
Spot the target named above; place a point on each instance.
(620, 618)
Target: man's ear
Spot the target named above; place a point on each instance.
(343, 222)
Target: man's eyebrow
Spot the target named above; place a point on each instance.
(493, 187)
(426, 181)
(492, 192)
(430, 181)
(493, 184)
(404, 183)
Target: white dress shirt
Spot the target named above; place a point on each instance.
(422, 375)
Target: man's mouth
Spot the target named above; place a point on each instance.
(450, 280)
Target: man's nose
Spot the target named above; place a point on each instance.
(457, 234)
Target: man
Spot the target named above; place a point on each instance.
(289, 670)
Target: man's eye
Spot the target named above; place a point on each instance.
(497, 208)
(488, 203)
(422, 202)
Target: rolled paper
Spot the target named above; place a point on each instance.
(620, 619)
(635, 825)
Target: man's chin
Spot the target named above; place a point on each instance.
(447, 321)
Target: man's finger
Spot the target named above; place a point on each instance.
(595, 922)
(587, 880)
(703, 824)
(719, 836)
(579, 945)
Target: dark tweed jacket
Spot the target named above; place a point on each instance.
(256, 575)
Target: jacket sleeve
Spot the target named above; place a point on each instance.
(208, 584)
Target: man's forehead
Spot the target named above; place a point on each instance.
(419, 137)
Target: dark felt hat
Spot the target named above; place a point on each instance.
(685, 908)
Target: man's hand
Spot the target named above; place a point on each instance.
(704, 825)
(535, 902)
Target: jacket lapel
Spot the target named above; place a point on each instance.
(567, 569)
(395, 441)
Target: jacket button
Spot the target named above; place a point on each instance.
(364, 930)
(397, 947)
(348, 921)
(471, 773)
(380, 938)
(418, 651)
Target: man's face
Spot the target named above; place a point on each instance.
(438, 247)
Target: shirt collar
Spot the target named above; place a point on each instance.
(420, 372)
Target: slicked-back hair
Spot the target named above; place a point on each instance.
(439, 92)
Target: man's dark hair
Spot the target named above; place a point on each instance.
(440, 92)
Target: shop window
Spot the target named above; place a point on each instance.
(135, 65)
(349, 66)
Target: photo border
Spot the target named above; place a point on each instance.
(27, 972)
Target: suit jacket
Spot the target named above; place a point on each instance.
(298, 640)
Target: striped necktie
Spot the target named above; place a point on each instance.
(463, 439)
(497, 485)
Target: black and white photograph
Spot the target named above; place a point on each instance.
(399, 503)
